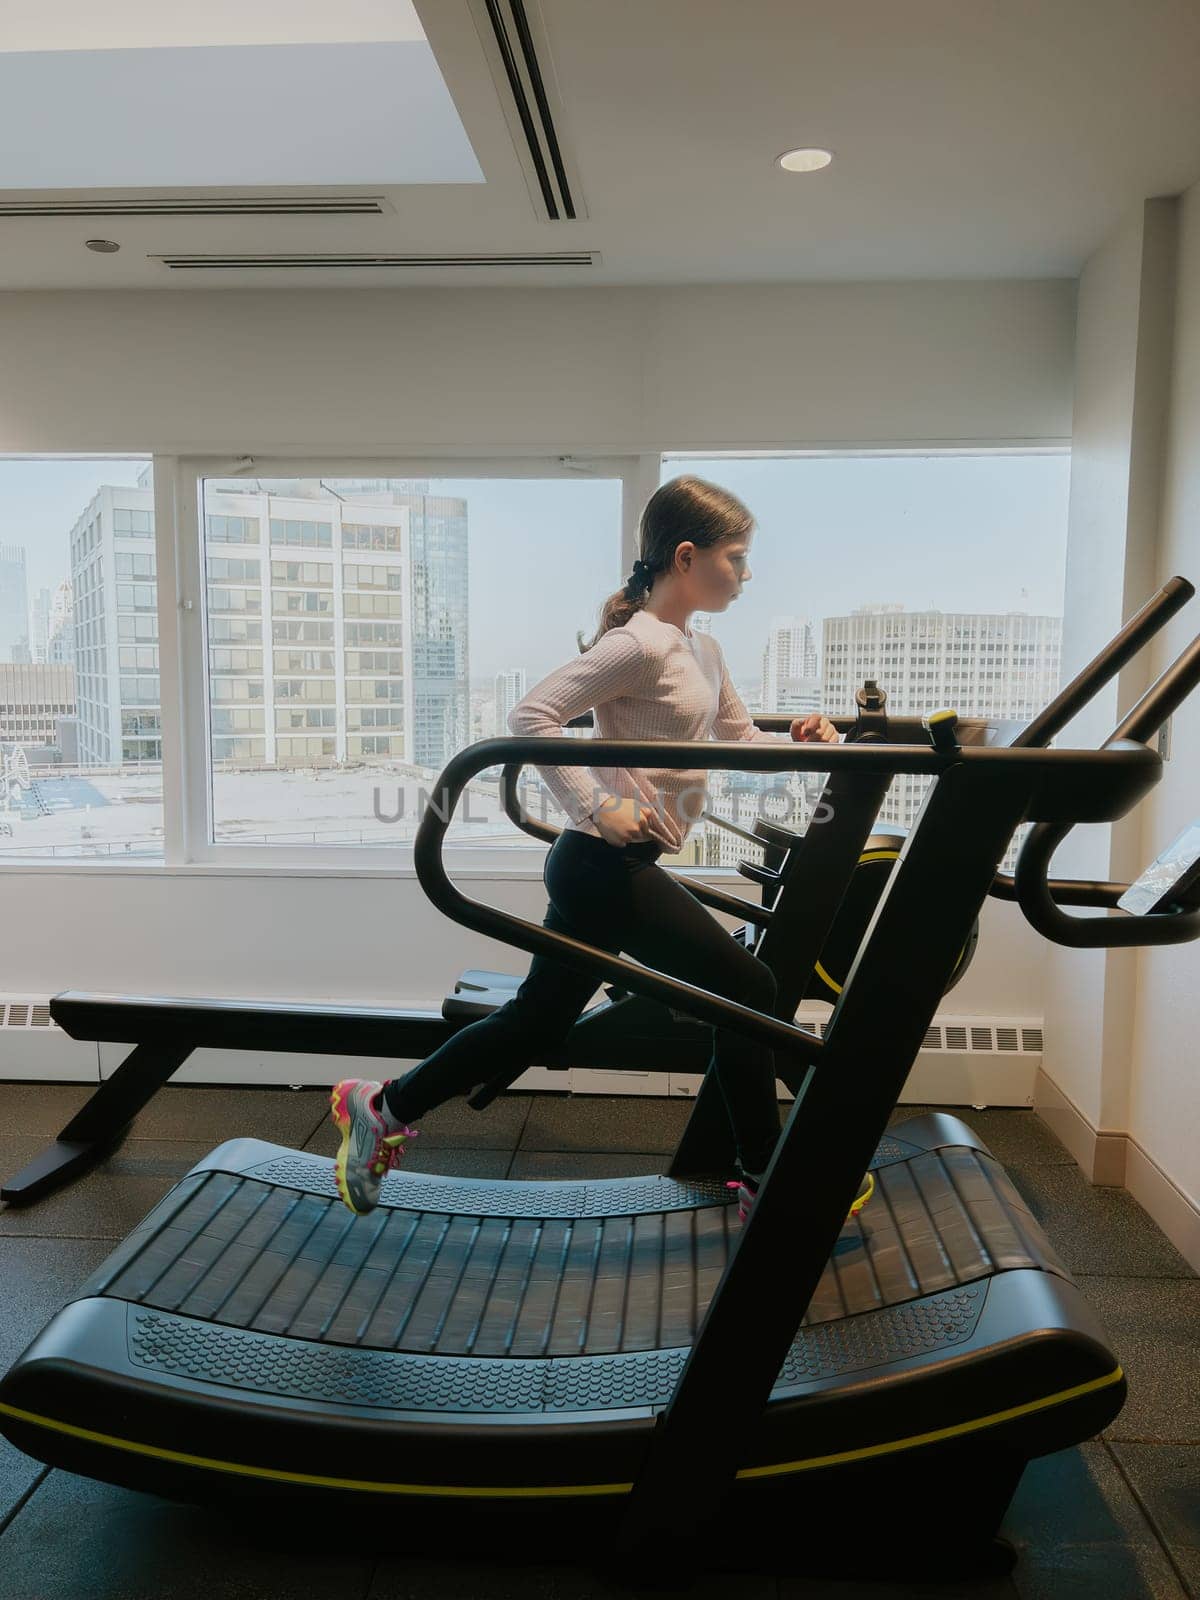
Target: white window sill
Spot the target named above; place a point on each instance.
(467, 873)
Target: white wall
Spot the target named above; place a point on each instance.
(479, 372)
(1164, 1111)
(1122, 379)
(493, 370)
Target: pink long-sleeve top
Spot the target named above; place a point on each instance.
(645, 680)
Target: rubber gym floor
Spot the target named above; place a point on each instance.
(1116, 1519)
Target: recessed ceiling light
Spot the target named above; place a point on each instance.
(805, 160)
(104, 247)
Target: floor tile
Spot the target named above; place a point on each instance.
(40, 1110)
(584, 1164)
(1096, 1231)
(1154, 1328)
(1187, 1559)
(78, 1540)
(1099, 1572)
(1016, 1135)
(458, 1163)
(604, 1122)
(39, 1276)
(1073, 1497)
(108, 1201)
(18, 1474)
(220, 1111)
(1167, 1478)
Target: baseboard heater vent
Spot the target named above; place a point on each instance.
(242, 263)
(990, 1035)
(26, 1014)
(333, 205)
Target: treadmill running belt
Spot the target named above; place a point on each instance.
(245, 1252)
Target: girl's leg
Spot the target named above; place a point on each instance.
(671, 931)
(581, 883)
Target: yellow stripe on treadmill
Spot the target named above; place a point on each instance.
(867, 855)
(450, 1491)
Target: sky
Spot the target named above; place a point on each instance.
(971, 533)
(40, 502)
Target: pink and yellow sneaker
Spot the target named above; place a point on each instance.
(747, 1191)
(369, 1146)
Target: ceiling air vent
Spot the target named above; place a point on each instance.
(343, 205)
(228, 262)
(518, 52)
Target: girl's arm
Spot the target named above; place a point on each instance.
(615, 665)
(732, 720)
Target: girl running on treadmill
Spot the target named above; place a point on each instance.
(646, 675)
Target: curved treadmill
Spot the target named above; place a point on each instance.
(515, 1341)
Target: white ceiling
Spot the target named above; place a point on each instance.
(197, 116)
(149, 25)
(973, 138)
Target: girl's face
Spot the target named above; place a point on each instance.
(719, 573)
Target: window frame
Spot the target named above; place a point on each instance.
(188, 842)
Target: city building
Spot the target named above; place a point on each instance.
(791, 679)
(60, 642)
(34, 698)
(1002, 665)
(337, 623)
(14, 604)
(39, 624)
(510, 688)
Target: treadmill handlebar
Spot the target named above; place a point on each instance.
(1105, 665)
(1041, 897)
(800, 1045)
(1063, 784)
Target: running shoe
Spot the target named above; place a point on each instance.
(746, 1192)
(369, 1147)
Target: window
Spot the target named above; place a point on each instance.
(396, 622)
(80, 741)
(939, 575)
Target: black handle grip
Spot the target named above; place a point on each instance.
(1105, 665)
(1038, 902)
(1041, 899)
(798, 1045)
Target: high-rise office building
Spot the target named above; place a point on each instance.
(336, 623)
(14, 604)
(114, 621)
(60, 642)
(39, 625)
(791, 678)
(34, 699)
(510, 689)
(1002, 665)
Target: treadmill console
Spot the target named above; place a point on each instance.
(1169, 880)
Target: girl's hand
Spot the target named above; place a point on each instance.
(814, 729)
(625, 822)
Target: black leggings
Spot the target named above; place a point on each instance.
(618, 899)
